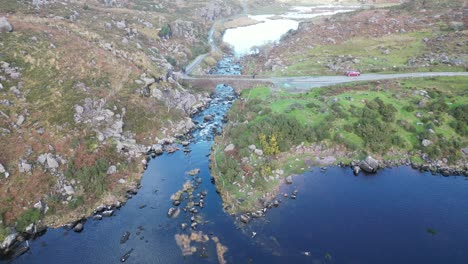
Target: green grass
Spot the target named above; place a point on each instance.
(365, 118)
(28, 217)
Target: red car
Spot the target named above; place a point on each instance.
(353, 73)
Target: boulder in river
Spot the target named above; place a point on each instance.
(207, 118)
(78, 228)
(245, 218)
(289, 180)
(126, 255)
(356, 170)
(97, 217)
(125, 237)
(108, 213)
(275, 203)
(370, 165)
(173, 212)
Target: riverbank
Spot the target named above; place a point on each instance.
(272, 135)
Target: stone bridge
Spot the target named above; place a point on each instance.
(238, 82)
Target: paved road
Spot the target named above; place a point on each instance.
(201, 57)
(307, 82)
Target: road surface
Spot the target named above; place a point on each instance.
(307, 82)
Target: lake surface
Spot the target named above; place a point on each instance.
(337, 217)
(245, 39)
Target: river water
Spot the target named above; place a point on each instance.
(398, 215)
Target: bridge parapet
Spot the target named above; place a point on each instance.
(238, 82)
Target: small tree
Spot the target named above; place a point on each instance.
(165, 31)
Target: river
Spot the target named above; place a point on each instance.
(398, 215)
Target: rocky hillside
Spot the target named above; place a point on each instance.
(84, 84)
(414, 36)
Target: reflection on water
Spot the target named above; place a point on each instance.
(243, 39)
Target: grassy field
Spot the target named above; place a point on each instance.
(387, 119)
(388, 54)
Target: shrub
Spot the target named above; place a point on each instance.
(409, 108)
(165, 31)
(398, 141)
(461, 113)
(32, 215)
(312, 105)
(171, 60)
(92, 178)
(375, 134)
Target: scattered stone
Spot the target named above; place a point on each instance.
(20, 120)
(38, 205)
(42, 158)
(229, 147)
(356, 170)
(245, 218)
(24, 167)
(101, 208)
(369, 165)
(126, 255)
(97, 217)
(275, 203)
(125, 237)
(171, 212)
(194, 172)
(69, 190)
(463, 150)
(108, 213)
(207, 118)
(112, 170)
(426, 142)
(52, 162)
(8, 241)
(78, 228)
(5, 26)
(259, 152)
